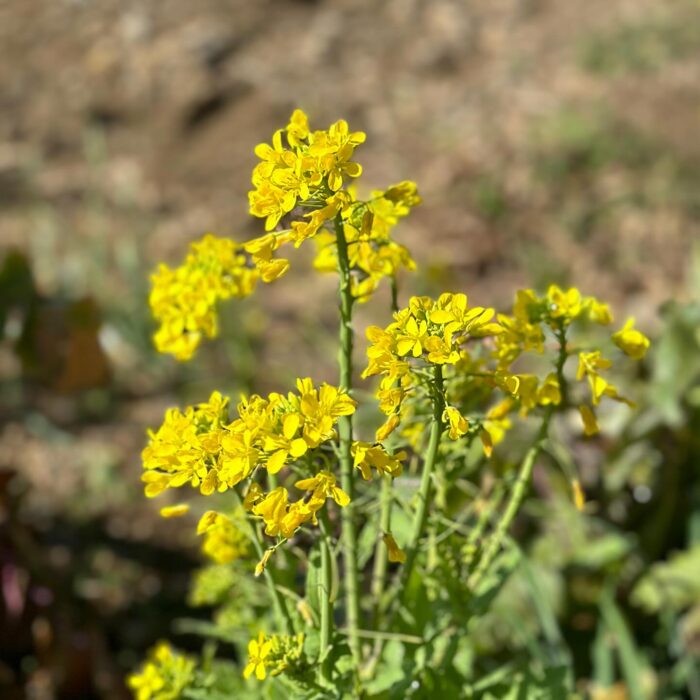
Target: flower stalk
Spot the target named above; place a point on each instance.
(345, 431)
(523, 481)
(284, 619)
(421, 514)
(325, 601)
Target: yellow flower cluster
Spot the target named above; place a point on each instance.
(300, 174)
(522, 331)
(306, 169)
(276, 654)
(164, 676)
(558, 309)
(367, 226)
(430, 332)
(184, 299)
(202, 448)
(282, 517)
(368, 456)
(223, 540)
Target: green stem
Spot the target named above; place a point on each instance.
(421, 513)
(419, 518)
(516, 499)
(282, 615)
(345, 434)
(481, 524)
(325, 597)
(385, 504)
(380, 554)
(523, 481)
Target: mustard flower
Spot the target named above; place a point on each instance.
(394, 553)
(631, 341)
(164, 676)
(223, 540)
(258, 651)
(458, 424)
(184, 300)
(369, 456)
(323, 486)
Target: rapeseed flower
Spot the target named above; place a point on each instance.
(164, 676)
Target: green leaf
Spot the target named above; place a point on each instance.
(674, 584)
(511, 683)
(632, 664)
(491, 584)
(599, 553)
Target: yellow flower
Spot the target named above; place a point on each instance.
(457, 422)
(367, 456)
(566, 306)
(262, 250)
(272, 509)
(321, 409)
(298, 128)
(164, 676)
(274, 655)
(258, 651)
(631, 341)
(323, 486)
(387, 427)
(333, 150)
(579, 495)
(590, 364)
(395, 553)
(285, 444)
(223, 542)
(590, 424)
(184, 300)
(175, 511)
(412, 338)
(253, 496)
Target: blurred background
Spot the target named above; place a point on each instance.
(551, 141)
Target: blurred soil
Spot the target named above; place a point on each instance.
(550, 141)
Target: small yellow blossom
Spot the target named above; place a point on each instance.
(367, 457)
(387, 427)
(394, 552)
(579, 495)
(590, 424)
(323, 486)
(273, 655)
(164, 676)
(258, 651)
(631, 341)
(175, 511)
(457, 422)
(223, 540)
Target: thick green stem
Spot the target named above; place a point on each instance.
(282, 615)
(325, 598)
(345, 434)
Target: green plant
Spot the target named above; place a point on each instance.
(369, 590)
